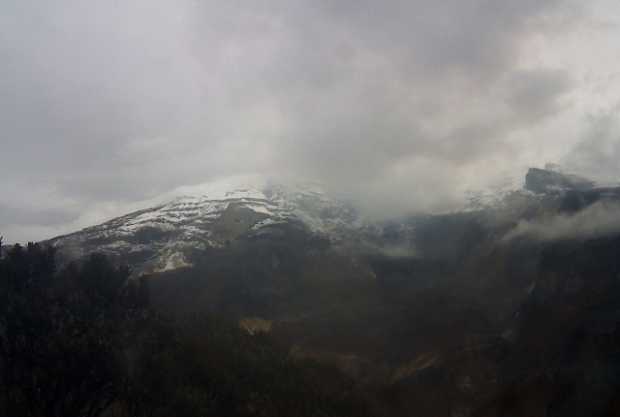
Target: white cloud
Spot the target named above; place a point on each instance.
(599, 219)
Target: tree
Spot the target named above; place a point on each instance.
(62, 334)
(81, 342)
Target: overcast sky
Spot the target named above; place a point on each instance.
(400, 105)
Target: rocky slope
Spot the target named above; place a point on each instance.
(160, 238)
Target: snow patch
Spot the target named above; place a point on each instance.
(173, 261)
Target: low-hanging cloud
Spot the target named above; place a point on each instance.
(597, 154)
(398, 105)
(598, 220)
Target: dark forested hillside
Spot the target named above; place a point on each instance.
(507, 310)
(82, 341)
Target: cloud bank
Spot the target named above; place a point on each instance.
(400, 106)
(599, 219)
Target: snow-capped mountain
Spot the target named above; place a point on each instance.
(211, 216)
(214, 215)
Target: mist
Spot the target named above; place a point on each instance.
(399, 107)
(597, 220)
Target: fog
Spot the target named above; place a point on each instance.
(398, 106)
(598, 220)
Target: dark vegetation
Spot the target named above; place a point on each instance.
(472, 326)
(83, 341)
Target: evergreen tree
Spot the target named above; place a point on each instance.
(62, 333)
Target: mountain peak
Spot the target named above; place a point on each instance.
(211, 215)
(542, 181)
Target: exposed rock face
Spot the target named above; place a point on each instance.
(546, 181)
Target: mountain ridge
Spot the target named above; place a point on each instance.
(472, 306)
(210, 216)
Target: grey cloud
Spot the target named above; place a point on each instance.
(34, 217)
(597, 154)
(599, 219)
(116, 102)
(535, 93)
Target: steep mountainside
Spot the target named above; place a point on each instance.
(510, 309)
(211, 216)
